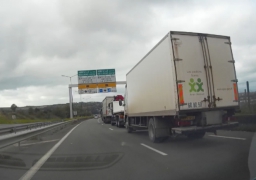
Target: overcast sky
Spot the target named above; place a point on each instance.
(40, 40)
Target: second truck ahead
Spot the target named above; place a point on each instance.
(112, 112)
(117, 111)
(106, 114)
(186, 84)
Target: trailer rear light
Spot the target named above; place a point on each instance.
(183, 123)
(230, 118)
(181, 97)
(235, 91)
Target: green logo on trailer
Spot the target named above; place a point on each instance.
(196, 86)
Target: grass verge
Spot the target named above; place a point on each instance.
(24, 121)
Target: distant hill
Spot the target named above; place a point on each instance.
(56, 111)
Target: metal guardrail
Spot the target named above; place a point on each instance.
(29, 132)
(15, 128)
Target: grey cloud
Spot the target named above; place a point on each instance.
(12, 46)
(40, 41)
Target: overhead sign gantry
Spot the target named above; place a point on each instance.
(96, 81)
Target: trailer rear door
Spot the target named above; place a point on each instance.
(205, 71)
(223, 74)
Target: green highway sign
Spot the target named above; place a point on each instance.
(89, 81)
(87, 73)
(104, 72)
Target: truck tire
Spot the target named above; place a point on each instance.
(196, 135)
(128, 128)
(117, 122)
(158, 129)
(152, 131)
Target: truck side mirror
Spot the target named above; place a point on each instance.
(120, 103)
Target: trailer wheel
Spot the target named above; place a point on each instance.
(156, 130)
(152, 132)
(128, 128)
(117, 121)
(196, 135)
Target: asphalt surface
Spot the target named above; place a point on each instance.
(93, 150)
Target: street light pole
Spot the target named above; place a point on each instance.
(70, 95)
(70, 103)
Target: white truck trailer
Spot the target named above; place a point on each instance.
(106, 113)
(186, 84)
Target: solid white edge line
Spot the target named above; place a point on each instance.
(160, 152)
(111, 129)
(227, 137)
(32, 171)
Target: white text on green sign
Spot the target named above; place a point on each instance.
(87, 73)
(103, 72)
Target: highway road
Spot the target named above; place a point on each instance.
(93, 150)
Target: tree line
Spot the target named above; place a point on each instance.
(55, 111)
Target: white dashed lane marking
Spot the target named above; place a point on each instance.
(153, 149)
(226, 137)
